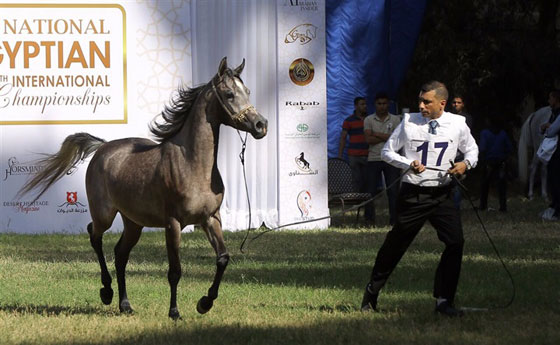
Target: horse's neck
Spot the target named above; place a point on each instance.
(198, 138)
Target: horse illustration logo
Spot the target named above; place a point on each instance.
(304, 203)
(302, 164)
(12, 162)
(304, 33)
(72, 200)
(72, 197)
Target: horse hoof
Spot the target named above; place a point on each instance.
(174, 314)
(125, 307)
(204, 305)
(106, 295)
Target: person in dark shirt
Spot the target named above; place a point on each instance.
(458, 106)
(495, 148)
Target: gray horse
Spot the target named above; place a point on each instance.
(168, 184)
(530, 139)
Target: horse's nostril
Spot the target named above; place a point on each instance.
(260, 125)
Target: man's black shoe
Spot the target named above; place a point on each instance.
(447, 309)
(369, 302)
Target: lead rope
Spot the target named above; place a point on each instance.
(513, 293)
(242, 159)
(462, 186)
(353, 208)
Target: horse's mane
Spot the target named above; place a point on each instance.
(176, 113)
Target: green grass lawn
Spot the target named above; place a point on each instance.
(290, 287)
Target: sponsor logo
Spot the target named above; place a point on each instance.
(303, 166)
(15, 168)
(304, 203)
(302, 105)
(301, 71)
(302, 131)
(303, 33)
(302, 127)
(72, 205)
(25, 206)
(304, 5)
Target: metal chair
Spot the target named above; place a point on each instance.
(341, 188)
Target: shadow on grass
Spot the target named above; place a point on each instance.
(55, 310)
(391, 328)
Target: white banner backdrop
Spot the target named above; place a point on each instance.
(135, 55)
(302, 113)
(240, 30)
(144, 54)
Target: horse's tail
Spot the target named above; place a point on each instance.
(75, 147)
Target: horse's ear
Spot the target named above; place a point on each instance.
(223, 66)
(239, 68)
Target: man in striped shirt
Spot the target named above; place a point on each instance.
(353, 128)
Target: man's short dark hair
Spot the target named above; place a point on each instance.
(458, 95)
(382, 95)
(555, 94)
(438, 87)
(357, 99)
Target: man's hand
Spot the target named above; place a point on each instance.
(458, 168)
(417, 167)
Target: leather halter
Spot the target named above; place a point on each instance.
(238, 117)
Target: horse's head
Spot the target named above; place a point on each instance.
(233, 96)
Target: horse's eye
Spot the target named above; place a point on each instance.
(229, 94)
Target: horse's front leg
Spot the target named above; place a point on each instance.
(173, 241)
(213, 229)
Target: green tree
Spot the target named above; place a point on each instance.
(495, 52)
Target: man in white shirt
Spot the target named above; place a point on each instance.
(429, 141)
(377, 130)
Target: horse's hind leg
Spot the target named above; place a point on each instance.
(544, 176)
(213, 229)
(533, 173)
(129, 238)
(173, 241)
(96, 240)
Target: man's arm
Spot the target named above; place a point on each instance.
(468, 146)
(370, 135)
(382, 136)
(373, 138)
(342, 142)
(553, 129)
(390, 152)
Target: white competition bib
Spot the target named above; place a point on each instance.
(432, 150)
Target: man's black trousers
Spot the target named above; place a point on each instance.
(415, 205)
